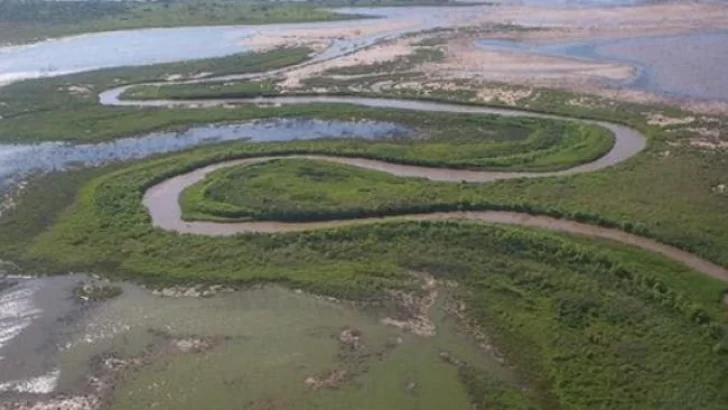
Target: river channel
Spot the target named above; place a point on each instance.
(278, 348)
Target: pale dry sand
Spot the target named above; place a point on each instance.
(467, 61)
(665, 121)
(625, 21)
(322, 37)
(376, 54)
(464, 61)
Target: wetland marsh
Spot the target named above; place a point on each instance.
(278, 251)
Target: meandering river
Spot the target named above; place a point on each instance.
(31, 313)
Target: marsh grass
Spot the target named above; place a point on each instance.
(585, 324)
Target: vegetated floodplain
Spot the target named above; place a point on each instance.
(240, 89)
(66, 108)
(585, 324)
(301, 189)
(24, 21)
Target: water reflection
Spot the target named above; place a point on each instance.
(18, 161)
(690, 65)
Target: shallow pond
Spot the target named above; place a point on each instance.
(18, 161)
(688, 65)
(259, 348)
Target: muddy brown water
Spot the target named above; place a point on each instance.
(162, 200)
(273, 338)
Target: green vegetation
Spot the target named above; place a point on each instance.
(243, 63)
(300, 189)
(24, 21)
(420, 55)
(587, 325)
(283, 191)
(241, 89)
(488, 393)
(38, 207)
(66, 108)
(670, 198)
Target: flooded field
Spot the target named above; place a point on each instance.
(18, 161)
(260, 348)
(688, 65)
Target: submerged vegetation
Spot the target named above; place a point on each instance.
(6, 284)
(95, 292)
(584, 323)
(558, 307)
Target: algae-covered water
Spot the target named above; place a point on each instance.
(266, 347)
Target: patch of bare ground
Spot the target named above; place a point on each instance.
(322, 37)
(504, 95)
(707, 137)
(332, 379)
(709, 144)
(414, 308)
(695, 106)
(370, 56)
(351, 339)
(661, 120)
(465, 60)
(78, 89)
(590, 102)
(721, 189)
(612, 22)
(8, 199)
(353, 360)
(193, 291)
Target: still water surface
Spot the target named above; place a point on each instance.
(686, 65)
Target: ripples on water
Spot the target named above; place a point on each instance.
(29, 311)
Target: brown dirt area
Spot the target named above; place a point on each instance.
(464, 61)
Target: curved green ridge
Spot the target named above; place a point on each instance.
(463, 151)
(307, 190)
(588, 324)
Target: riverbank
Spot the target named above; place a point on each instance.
(23, 22)
(575, 307)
